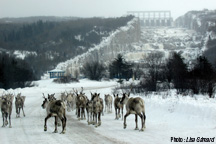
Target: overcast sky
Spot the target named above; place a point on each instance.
(98, 8)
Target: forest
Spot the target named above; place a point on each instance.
(157, 74)
(14, 72)
(56, 41)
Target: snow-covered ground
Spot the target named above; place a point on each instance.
(168, 115)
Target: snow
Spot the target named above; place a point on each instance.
(23, 54)
(168, 115)
(78, 37)
(56, 70)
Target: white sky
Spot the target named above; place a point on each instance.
(91, 8)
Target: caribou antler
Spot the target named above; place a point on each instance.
(76, 92)
(44, 96)
(81, 90)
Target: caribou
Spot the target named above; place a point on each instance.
(134, 106)
(63, 96)
(71, 101)
(89, 110)
(81, 101)
(19, 104)
(55, 108)
(97, 108)
(6, 109)
(118, 106)
(108, 103)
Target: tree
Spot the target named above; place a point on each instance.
(202, 77)
(154, 64)
(93, 70)
(120, 69)
(14, 72)
(176, 72)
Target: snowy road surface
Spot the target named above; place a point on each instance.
(166, 117)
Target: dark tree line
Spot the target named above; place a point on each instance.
(210, 53)
(91, 30)
(202, 77)
(159, 74)
(174, 73)
(118, 68)
(14, 72)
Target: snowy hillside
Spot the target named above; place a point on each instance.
(168, 116)
(117, 42)
(202, 22)
(162, 39)
(166, 40)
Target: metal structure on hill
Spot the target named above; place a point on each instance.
(153, 18)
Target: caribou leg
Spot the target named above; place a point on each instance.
(116, 113)
(88, 116)
(142, 121)
(45, 123)
(10, 121)
(78, 116)
(64, 119)
(56, 123)
(23, 112)
(3, 118)
(6, 121)
(127, 114)
(136, 128)
(110, 107)
(95, 119)
(91, 119)
(99, 119)
(16, 112)
(83, 114)
(19, 112)
(122, 113)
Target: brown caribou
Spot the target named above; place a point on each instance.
(6, 109)
(97, 108)
(134, 105)
(19, 104)
(108, 103)
(118, 106)
(55, 108)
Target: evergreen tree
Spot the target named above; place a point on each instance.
(120, 69)
(176, 71)
(14, 72)
(202, 77)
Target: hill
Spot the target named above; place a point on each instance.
(47, 42)
(203, 22)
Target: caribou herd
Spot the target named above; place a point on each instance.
(6, 102)
(76, 100)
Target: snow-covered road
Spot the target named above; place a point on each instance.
(166, 118)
